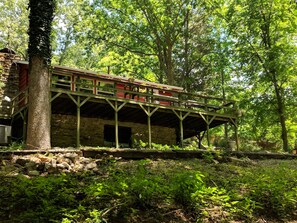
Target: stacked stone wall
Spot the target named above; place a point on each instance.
(9, 82)
(92, 131)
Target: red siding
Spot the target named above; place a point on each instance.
(24, 76)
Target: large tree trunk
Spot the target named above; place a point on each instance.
(38, 133)
(41, 17)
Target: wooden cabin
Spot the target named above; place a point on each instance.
(95, 109)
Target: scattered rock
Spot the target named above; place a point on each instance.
(42, 165)
(63, 166)
(91, 166)
(54, 163)
(33, 173)
(72, 156)
(21, 161)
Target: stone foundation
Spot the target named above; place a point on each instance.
(92, 131)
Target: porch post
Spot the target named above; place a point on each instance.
(78, 123)
(181, 133)
(149, 127)
(208, 136)
(24, 117)
(116, 118)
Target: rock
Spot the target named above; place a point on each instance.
(91, 166)
(95, 170)
(44, 159)
(40, 167)
(78, 167)
(21, 161)
(33, 173)
(31, 165)
(72, 156)
(52, 170)
(63, 165)
(54, 163)
(84, 160)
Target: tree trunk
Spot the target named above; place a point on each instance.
(169, 66)
(38, 133)
(281, 114)
(39, 110)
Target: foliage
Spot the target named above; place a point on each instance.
(238, 49)
(16, 146)
(263, 45)
(44, 198)
(204, 192)
(40, 17)
(14, 25)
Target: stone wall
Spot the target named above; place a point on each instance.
(92, 131)
(9, 82)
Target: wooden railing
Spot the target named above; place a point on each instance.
(19, 101)
(140, 92)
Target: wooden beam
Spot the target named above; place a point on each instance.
(56, 95)
(84, 101)
(72, 98)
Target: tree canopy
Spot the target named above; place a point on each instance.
(238, 49)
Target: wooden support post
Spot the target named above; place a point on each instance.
(181, 133)
(149, 127)
(24, 117)
(149, 113)
(78, 104)
(116, 120)
(208, 136)
(234, 122)
(181, 118)
(199, 140)
(208, 122)
(116, 109)
(78, 123)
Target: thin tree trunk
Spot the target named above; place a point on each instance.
(169, 66)
(38, 132)
(281, 114)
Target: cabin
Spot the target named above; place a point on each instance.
(96, 109)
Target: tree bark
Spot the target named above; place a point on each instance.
(38, 132)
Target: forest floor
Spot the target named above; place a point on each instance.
(116, 190)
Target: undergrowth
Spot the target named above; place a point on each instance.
(155, 191)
